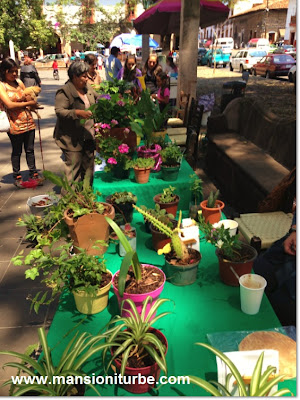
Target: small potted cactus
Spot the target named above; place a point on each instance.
(212, 208)
(181, 262)
(168, 200)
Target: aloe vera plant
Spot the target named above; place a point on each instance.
(133, 335)
(176, 244)
(78, 350)
(212, 198)
(260, 385)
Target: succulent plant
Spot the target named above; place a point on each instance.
(176, 244)
(212, 198)
(168, 195)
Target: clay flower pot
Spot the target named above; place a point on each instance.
(170, 207)
(212, 215)
(142, 174)
(89, 228)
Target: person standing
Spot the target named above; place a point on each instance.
(150, 70)
(113, 65)
(163, 93)
(130, 73)
(76, 140)
(93, 76)
(22, 126)
(100, 62)
(28, 73)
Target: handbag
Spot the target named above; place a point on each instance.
(4, 122)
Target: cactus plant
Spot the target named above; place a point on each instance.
(176, 244)
(211, 201)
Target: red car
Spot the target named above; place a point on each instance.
(273, 65)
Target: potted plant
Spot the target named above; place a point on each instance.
(171, 161)
(159, 239)
(122, 202)
(81, 274)
(260, 383)
(212, 208)
(77, 351)
(196, 189)
(142, 168)
(140, 348)
(115, 154)
(130, 233)
(235, 257)
(181, 263)
(115, 111)
(38, 204)
(134, 280)
(168, 200)
(84, 216)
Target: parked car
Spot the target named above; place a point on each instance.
(48, 59)
(274, 65)
(221, 58)
(201, 52)
(292, 74)
(245, 59)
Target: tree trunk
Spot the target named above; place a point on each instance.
(188, 47)
(145, 48)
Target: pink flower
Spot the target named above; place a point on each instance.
(121, 103)
(112, 160)
(126, 131)
(114, 122)
(123, 148)
(105, 126)
(96, 130)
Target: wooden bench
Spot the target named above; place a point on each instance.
(250, 150)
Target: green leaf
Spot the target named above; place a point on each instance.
(256, 375)
(205, 385)
(31, 273)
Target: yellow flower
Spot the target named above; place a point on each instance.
(165, 250)
(19, 219)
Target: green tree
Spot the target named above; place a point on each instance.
(23, 22)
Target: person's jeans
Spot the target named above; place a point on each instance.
(17, 141)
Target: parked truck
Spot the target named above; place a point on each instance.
(217, 56)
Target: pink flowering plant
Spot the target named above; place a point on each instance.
(113, 152)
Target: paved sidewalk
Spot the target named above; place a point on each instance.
(18, 327)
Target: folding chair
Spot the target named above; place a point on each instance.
(179, 134)
(180, 119)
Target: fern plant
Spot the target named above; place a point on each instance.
(176, 244)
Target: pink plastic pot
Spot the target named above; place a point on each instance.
(137, 298)
(152, 370)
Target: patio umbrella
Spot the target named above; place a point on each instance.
(137, 41)
(120, 40)
(164, 16)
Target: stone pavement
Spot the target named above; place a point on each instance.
(18, 327)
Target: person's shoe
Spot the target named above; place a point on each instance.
(18, 182)
(38, 178)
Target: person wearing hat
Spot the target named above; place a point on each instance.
(28, 73)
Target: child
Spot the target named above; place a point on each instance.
(55, 67)
(163, 93)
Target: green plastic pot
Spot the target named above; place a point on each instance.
(182, 275)
(170, 173)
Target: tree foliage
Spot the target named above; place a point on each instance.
(23, 22)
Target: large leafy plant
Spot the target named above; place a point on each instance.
(134, 336)
(168, 195)
(171, 155)
(260, 385)
(79, 272)
(78, 350)
(220, 237)
(79, 196)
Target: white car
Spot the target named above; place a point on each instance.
(245, 59)
(292, 74)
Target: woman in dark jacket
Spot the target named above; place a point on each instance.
(75, 139)
(28, 73)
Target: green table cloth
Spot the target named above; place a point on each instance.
(106, 184)
(207, 306)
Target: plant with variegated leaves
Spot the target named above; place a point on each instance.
(260, 385)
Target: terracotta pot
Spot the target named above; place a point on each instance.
(151, 370)
(87, 229)
(212, 215)
(170, 207)
(241, 268)
(142, 175)
(88, 304)
(159, 240)
(118, 133)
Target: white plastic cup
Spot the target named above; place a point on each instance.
(252, 288)
(230, 224)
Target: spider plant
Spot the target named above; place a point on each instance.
(260, 384)
(134, 335)
(79, 349)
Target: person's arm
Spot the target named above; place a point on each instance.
(11, 105)
(289, 244)
(37, 78)
(62, 110)
(165, 98)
